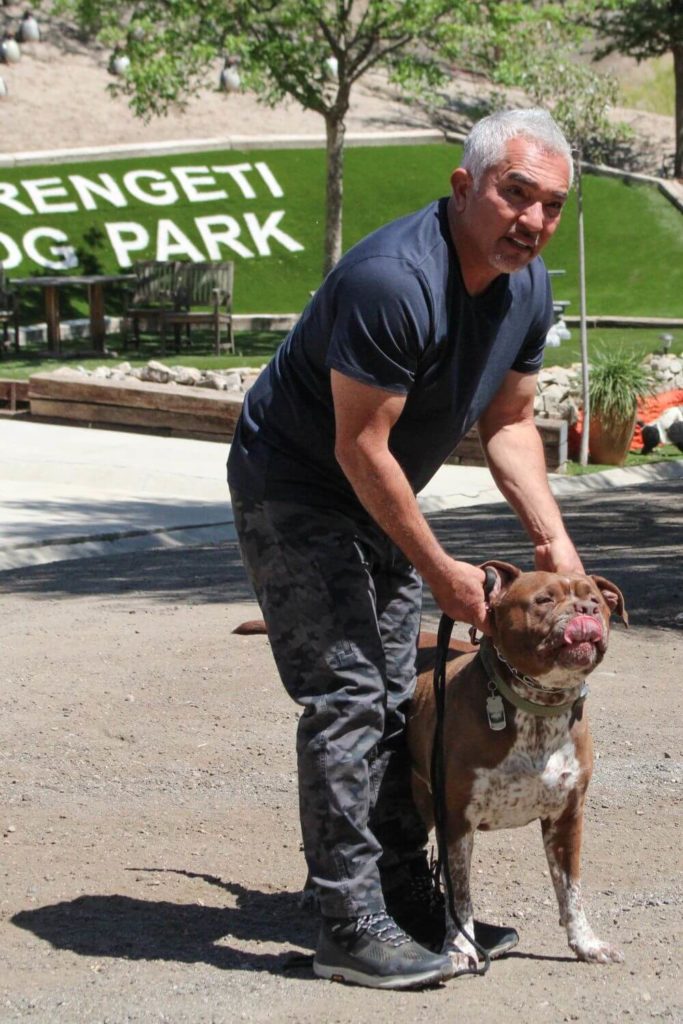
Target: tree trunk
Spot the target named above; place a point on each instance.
(585, 430)
(678, 79)
(336, 130)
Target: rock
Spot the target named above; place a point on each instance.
(187, 375)
(158, 373)
(214, 380)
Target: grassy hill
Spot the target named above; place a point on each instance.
(634, 235)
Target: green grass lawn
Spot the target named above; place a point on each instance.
(664, 453)
(256, 347)
(633, 234)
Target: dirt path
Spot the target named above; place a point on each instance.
(150, 845)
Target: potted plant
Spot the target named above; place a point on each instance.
(617, 380)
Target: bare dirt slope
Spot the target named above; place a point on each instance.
(150, 847)
(59, 99)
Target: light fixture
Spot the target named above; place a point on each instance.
(230, 79)
(29, 30)
(331, 68)
(119, 63)
(10, 51)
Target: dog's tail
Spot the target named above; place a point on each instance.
(252, 627)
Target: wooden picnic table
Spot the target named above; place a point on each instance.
(95, 284)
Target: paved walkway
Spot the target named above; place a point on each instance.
(71, 492)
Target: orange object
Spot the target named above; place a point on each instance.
(649, 409)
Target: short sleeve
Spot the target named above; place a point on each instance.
(530, 356)
(382, 321)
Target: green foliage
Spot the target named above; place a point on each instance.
(617, 381)
(650, 87)
(639, 28)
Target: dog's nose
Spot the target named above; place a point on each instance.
(586, 606)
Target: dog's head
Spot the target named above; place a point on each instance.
(552, 626)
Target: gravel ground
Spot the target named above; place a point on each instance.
(151, 857)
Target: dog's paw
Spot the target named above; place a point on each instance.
(598, 952)
(462, 954)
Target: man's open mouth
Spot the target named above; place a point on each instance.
(517, 243)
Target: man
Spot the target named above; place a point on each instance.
(430, 324)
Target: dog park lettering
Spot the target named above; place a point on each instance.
(218, 236)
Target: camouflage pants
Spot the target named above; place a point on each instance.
(342, 606)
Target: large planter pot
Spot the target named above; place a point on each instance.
(610, 442)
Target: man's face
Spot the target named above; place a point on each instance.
(507, 221)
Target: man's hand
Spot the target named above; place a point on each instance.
(558, 555)
(459, 592)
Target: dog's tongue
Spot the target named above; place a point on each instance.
(583, 629)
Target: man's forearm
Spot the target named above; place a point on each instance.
(515, 456)
(383, 490)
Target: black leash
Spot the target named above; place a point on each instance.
(438, 775)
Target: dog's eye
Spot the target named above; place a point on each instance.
(544, 599)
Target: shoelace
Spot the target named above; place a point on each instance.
(382, 927)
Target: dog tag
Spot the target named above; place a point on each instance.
(495, 709)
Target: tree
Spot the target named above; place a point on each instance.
(642, 29)
(312, 51)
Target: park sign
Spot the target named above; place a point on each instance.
(263, 209)
(112, 197)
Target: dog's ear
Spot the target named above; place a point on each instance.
(505, 575)
(613, 596)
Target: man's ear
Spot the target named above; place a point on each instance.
(461, 183)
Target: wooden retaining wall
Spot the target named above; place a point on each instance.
(199, 413)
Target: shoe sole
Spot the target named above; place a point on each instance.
(494, 939)
(395, 981)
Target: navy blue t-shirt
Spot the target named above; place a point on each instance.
(394, 313)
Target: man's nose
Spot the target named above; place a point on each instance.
(531, 218)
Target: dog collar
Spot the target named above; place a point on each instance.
(491, 660)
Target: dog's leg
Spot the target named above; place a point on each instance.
(456, 946)
(562, 841)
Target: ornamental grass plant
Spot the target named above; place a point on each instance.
(617, 380)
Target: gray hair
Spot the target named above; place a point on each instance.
(486, 142)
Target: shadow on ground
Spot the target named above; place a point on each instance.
(634, 536)
(136, 929)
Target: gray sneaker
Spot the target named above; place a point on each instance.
(372, 950)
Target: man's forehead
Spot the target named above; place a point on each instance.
(531, 165)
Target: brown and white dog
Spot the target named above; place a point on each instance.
(506, 765)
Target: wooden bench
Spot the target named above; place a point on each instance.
(153, 293)
(203, 295)
(9, 312)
